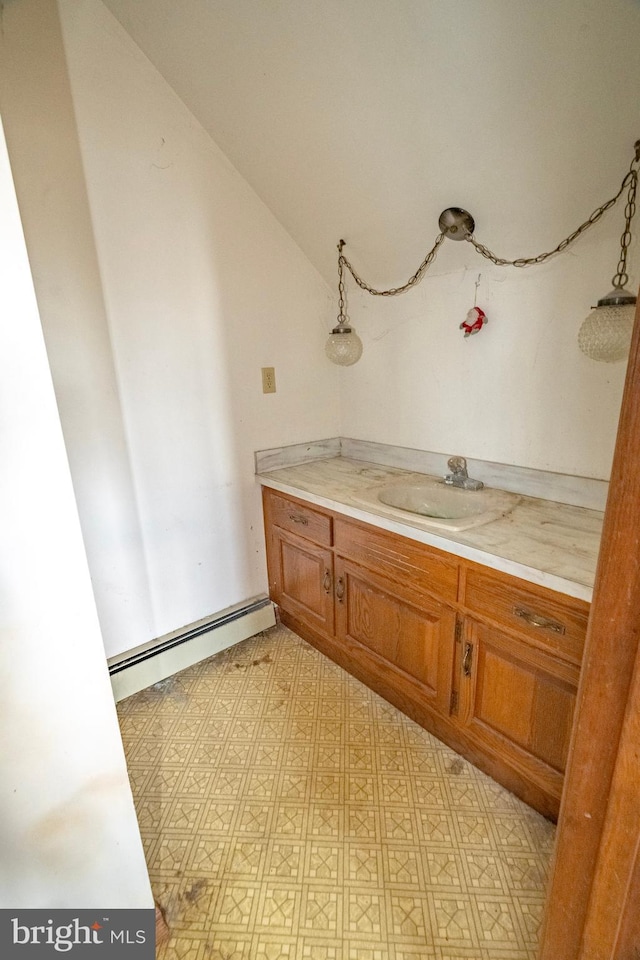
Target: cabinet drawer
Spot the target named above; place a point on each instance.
(414, 564)
(548, 619)
(297, 517)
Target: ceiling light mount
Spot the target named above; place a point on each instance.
(456, 223)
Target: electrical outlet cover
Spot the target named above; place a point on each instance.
(268, 380)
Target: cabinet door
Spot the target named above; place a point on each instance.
(301, 578)
(519, 702)
(411, 632)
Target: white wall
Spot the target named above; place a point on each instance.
(201, 287)
(41, 133)
(531, 128)
(364, 120)
(68, 830)
(519, 392)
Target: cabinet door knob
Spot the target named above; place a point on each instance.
(340, 589)
(467, 659)
(326, 582)
(536, 620)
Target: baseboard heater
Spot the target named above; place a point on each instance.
(155, 661)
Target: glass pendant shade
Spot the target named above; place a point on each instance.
(605, 335)
(344, 346)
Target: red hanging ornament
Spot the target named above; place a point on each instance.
(474, 321)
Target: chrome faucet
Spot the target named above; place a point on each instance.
(459, 476)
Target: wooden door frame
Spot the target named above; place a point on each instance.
(590, 910)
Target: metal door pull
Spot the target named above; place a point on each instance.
(467, 658)
(536, 620)
(298, 519)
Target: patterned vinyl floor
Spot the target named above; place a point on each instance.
(289, 813)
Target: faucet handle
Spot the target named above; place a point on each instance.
(457, 465)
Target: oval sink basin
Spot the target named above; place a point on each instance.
(434, 500)
(441, 505)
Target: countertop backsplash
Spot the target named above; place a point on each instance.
(543, 484)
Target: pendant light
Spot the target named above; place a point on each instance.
(344, 346)
(606, 333)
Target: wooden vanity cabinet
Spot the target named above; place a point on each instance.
(485, 661)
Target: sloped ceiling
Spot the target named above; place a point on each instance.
(363, 119)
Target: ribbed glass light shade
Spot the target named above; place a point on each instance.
(606, 333)
(344, 346)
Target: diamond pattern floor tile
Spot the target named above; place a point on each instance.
(289, 813)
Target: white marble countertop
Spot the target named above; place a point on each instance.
(553, 544)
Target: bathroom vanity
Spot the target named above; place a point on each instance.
(481, 649)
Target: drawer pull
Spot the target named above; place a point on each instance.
(467, 659)
(340, 589)
(296, 518)
(535, 620)
(326, 583)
